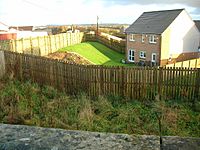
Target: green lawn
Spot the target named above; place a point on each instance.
(97, 53)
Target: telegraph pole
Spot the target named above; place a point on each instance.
(97, 25)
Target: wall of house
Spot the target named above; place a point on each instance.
(184, 35)
(28, 34)
(7, 36)
(165, 46)
(180, 40)
(138, 46)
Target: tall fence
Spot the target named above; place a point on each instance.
(193, 63)
(130, 82)
(112, 42)
(41, 46)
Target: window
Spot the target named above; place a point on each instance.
(143, 37)
(152, 39)
(132, 37)
(142, 54)
(131, 55)
(153, 57)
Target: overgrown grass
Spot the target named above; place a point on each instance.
(29, 104)
(97, 53)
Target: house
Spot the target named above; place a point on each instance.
(42, 29)
(26, 31)
(5, 34)
(162, 37)
(22, 28)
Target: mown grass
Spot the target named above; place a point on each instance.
(97, 53)
(30, 104)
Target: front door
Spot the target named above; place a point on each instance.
(153, 57)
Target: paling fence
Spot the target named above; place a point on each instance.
(141, 83)
(42, 46)
(193, 63)
(117, 45)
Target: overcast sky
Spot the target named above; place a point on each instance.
(42, 12)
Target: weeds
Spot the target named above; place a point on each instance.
(27, 103)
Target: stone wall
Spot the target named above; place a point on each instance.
(27, 137)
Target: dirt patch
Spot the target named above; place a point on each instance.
(71, 58)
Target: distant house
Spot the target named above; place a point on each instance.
(5, 34)
(42, 29)
(162, 37)
(22, 28)
(27, 31)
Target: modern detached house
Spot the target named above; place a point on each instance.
(162, 37)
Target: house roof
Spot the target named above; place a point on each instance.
(197, 23)
(155, 22)
(22, 28)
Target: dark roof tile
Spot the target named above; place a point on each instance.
(197, 23)
(154, 22)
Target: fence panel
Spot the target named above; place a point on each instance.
(41, 46)
(142, 83)
(193, 63)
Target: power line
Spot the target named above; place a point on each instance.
(36, 5)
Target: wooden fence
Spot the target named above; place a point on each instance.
(116, 44)
(41, 46)
(131, 82)
(2, 64)
(193, 63)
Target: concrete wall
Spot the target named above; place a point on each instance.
(2, 64)
(25, 137)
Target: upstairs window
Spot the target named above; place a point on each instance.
(132, 37)
(142, 54)
(152, 39)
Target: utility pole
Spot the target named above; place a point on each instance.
(97, 25)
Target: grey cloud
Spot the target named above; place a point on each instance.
(196, 11)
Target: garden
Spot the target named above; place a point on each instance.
(93, 52)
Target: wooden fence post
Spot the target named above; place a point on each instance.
(122, 81)
(2, 64)
(20, 67)
(197, 84)
(195, 63)
(39, 49)
(160, 82)
(31, 45)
